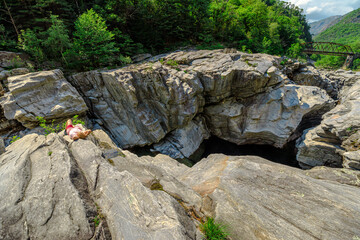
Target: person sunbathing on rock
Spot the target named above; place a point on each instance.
(76, 132)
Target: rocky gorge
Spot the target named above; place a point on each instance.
(100, 188)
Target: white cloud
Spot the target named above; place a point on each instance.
(320, 9)
(313, 10)
(301, 3)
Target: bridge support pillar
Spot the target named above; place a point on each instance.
(349, 61)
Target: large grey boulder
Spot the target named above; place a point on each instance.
(38, 199)
(310, 76)
(46, 94)
(141, 104)
(11, 59)
(183, 142)
(259, 199)
(270, 118)
(55, 188)
(327, 143)
(156, 102)
(132, 211)
(155, 172)
(227, 73)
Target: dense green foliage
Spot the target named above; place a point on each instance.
(346, 31)
(213, 231)
(93, 43)
(87, 34)
(52, 128)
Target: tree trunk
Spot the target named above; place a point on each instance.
(11, 18)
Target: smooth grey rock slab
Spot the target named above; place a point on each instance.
(160, 171)
(259, 199)
(46, 94)
(132, 211)
(37, 197)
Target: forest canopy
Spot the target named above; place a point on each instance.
(97, 33)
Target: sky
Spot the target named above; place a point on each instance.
(319, 9)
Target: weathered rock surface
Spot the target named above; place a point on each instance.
(227, 73)
(259, 199)
(324, 145)
(159, 172)
(140, 106)
(52, 188)
(183, 142)
(131, 210)
(11, 59)
(46, 94)
(37, 195)
(271, 118)
(49, 190)
(156, 102)
(310, 76)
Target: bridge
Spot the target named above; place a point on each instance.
(330, 48)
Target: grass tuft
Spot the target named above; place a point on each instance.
(213, 231)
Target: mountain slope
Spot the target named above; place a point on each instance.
(319, 26)
(346, 31)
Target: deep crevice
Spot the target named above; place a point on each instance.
(285, 155)
(78, 180)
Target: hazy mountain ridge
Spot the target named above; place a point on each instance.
(319, 26)
(346, 31)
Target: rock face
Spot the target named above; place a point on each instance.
(183, 142)
(158, 102)
(11, 59)
(37, 196)
(46, 94)
(310, 76)
(52, 188)
(55, 188)
(258, 199)
(141, 106)
(131, 210)
(270, 118)
(332, 142)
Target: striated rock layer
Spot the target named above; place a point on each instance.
(242, 97)
(55, 188)
(259, 199)
(335, 141)
(46, 94)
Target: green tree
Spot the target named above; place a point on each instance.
(29, 42)
(58, 40)
(93, 44)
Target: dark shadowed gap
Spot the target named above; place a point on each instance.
(286, 155)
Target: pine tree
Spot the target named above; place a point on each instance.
(93, 44)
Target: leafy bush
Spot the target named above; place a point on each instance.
(51, 128)
(213, 231)
(14, 138)
(6, 43)
(76, 120)
(93, 44)
(58, 40)
(30, 43)
(330, 62)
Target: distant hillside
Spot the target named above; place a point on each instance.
(321, 25)
(346, 31)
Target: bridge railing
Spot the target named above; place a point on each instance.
(327, 48)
